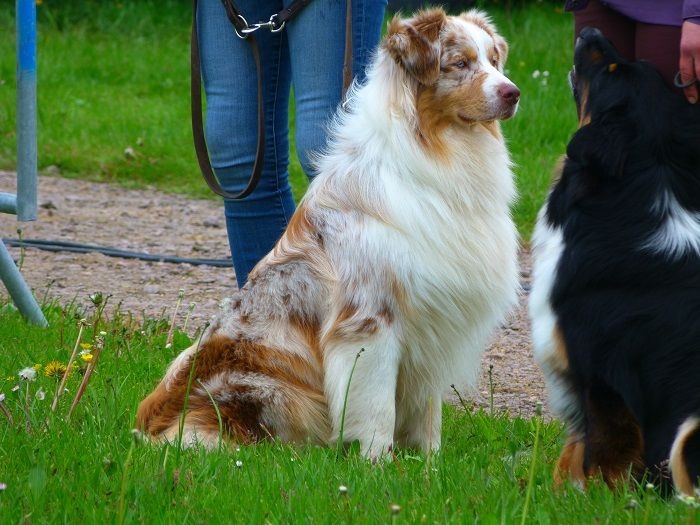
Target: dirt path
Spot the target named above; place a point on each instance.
(160, 223)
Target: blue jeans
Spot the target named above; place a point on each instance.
(307, 54)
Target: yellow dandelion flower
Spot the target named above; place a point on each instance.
(87, 357)
(86, 346)
(54, 369)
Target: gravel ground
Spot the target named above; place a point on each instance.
(160, 223)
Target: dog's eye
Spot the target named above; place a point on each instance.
(460, 64)
(494, 61)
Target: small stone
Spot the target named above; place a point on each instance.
(211, 223)
(151, 288)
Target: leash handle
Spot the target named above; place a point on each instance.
(200, 144)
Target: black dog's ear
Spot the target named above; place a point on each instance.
(600, 149)
(594, 154)
(575, 183)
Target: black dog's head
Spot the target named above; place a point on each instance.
(625, 103)
(629, 123)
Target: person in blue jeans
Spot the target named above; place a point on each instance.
(307, 54)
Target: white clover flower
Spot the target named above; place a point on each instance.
(3, 486)
(545, 73)
(239, 463)
(688, 500)
(343, 490)
(2, 398)
(40, 394)
(536, 73)
(27, 374)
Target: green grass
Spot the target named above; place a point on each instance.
(90, 469)
(541, 40)
(113, 75)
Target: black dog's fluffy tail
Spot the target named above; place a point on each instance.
(684, 456)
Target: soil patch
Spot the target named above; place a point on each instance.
(160, 223)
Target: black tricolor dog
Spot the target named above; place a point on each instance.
(615, 302)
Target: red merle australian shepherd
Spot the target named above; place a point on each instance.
(615, 303)
(403, 246)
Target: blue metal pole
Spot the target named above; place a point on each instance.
(26, 111)
(24, 204)
(8, 203)
(18, 289)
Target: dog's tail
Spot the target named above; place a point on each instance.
(682, 454)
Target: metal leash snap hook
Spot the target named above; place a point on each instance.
(679, 83)
(245, 31)
(272, 24)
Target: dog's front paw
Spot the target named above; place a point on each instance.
(378, 451)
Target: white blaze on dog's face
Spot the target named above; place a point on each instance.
(471, 67)
(456, 63)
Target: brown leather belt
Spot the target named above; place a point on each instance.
(246, 31)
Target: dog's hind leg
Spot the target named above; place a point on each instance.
(362, 407)
(419, 416)
(614, 442)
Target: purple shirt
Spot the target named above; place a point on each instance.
(662, 12)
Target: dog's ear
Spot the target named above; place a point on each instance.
(592, 157)
(601, 148)
(415, 44)
(574, 184)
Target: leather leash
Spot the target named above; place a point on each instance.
(245, 31)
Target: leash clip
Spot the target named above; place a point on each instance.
(271, 24)
(244, 31)
(679, 83)
(275, 26)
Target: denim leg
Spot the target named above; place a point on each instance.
(255, 223)
(367, 19)
(317, 51)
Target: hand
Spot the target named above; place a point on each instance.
(690, 59)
